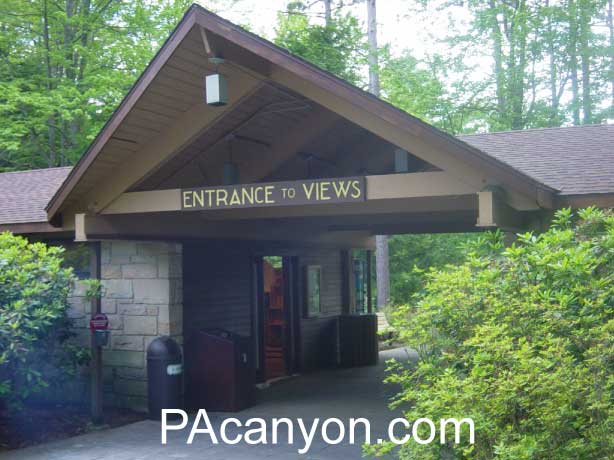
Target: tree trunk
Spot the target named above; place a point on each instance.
(328, 15)
(498, 58)
(553, 118)
(382, 269)
(374, 86)
(585, 59)
(573, 62)
(611, 52)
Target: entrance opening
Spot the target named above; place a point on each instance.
(276, 304)
(275, 324)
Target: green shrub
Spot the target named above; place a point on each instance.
(34, 328)
(521, 340)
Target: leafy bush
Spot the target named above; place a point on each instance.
(34, 328)
(521, 340)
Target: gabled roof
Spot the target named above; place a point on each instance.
(261, 53)
(575, 160)
(24, 194)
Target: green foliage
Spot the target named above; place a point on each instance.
(34, 328)
(520, 339)
(64, 67)
(337, 46)
(412, 256)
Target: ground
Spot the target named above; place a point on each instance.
(342, 393)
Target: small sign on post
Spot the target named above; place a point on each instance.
(99, 325)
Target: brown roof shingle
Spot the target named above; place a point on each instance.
(24, 194)
(574, 160)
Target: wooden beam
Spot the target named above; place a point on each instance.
(379, 188)
(494, 212)
(99, 227)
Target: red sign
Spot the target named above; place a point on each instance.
(99, 322)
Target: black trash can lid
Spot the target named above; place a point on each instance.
(164, 348)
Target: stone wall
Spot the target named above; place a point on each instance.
(142, 296)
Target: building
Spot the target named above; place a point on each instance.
(256, 212)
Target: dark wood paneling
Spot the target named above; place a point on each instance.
(218, 293)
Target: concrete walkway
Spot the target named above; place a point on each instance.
(344, 394)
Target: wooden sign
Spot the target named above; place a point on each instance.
(305, 192)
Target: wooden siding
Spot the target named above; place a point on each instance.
(218, 293)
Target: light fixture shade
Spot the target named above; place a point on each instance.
(401, 161)
(216, 89)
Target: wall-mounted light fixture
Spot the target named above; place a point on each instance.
(216, 86)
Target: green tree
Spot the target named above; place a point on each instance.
(64, 67)
(519, 339)
(337, 45)
(34, 328)
(413, 256)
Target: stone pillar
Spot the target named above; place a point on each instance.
(142, 296)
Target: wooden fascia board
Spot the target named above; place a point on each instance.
(379, 188)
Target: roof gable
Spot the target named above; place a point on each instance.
(256, 60)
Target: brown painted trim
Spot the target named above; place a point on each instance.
(30, 227)
(600, 200)
(135, 92)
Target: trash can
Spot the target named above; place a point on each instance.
(165, 376)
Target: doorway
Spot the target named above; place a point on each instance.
(277, 324)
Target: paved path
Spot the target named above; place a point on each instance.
(343, 394)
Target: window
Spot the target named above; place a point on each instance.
(313, 278)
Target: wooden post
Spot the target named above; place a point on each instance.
(96, 364)
(368, 275)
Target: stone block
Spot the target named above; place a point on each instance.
(135, 271)
(80, 304)
(123, 249)
(151, 290)
(138, 309)
(133, 373)
(108, 306)
(127, 342)
(74, 314)
(130, 387)
(115, 322)
(123, 358)
(140, 325)
(117, 289)
(105, 252)
(79, 289)
(151, 248)
(143, 259)
(110, 271)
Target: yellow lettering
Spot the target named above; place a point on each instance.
(324, 188)
(210, 197)
(221, 196)
(308, 190)
(235, 198)
(268, 192)
(341, 188)
(198, 198)
(256, 191)
(247, 195)
(357, 192)
(187, 203)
